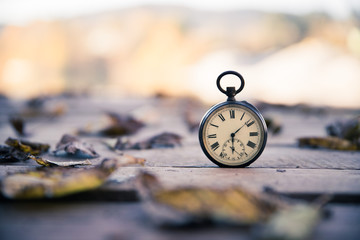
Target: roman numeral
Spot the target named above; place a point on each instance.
(214, 125)
(221, 117)
(232, 113)
(212, 136)
(253, 134)
(242, 116)
(221, 155)
(248, 123)
(215, 146)
(251, 144)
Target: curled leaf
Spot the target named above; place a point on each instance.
(274, 126)
(334, 143)
(10, 154)
(51, 163)
(293, 223)
(124, 160)
(18, 125)
(349, 130)
(119, 125)
(60, 181)
(52, 182)
(71, 145)
(33, 148)
(186, 205)
(163, 140)
(272, 217)
(39, 107)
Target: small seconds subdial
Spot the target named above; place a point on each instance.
(233, 149)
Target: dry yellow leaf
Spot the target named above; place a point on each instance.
(52, 182)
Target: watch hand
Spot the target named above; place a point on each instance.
(232, 149)
(233, 134)
(237, 152)
(232, 142)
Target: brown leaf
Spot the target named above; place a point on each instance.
(192, 112)
(334, 143)
(39, 107)
(349, 130)
(273, 125)
(272, 217)
(53, 182)
(163, 140)
(18, 125)
(121, 125)
(186, 205)
(33, 148)
(191, 121)
(10, 154)
(71, 145)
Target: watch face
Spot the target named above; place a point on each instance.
(232, 134)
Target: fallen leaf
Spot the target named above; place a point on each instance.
(344, 135)
(191, 121)
(33, 148)
(349, 130)
(292, 223)
(192, 109)
(37, 102)
(163, 140)
(185, 205)
(270, 216)
(123, 160)
(71, 145)
(10, 154)
(273, 125)
(334, 143)
(53, 182)
(18, 125)
(51, 163)
(40, 107)
(119, 125)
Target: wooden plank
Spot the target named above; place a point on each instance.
(274, 156)
(281, 150)
(105, 213)
(308, 184)
(316, 181)
(42, 220)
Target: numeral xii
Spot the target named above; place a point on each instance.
(232, 113)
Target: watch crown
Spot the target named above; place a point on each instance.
(231, 92)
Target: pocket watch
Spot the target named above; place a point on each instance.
(232, 133)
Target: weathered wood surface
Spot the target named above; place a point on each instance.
(122, 221)
(283, 167)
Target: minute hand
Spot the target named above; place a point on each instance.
(239, 129)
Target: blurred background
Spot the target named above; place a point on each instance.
(288, 52)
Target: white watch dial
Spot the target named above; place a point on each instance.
(233, 135)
